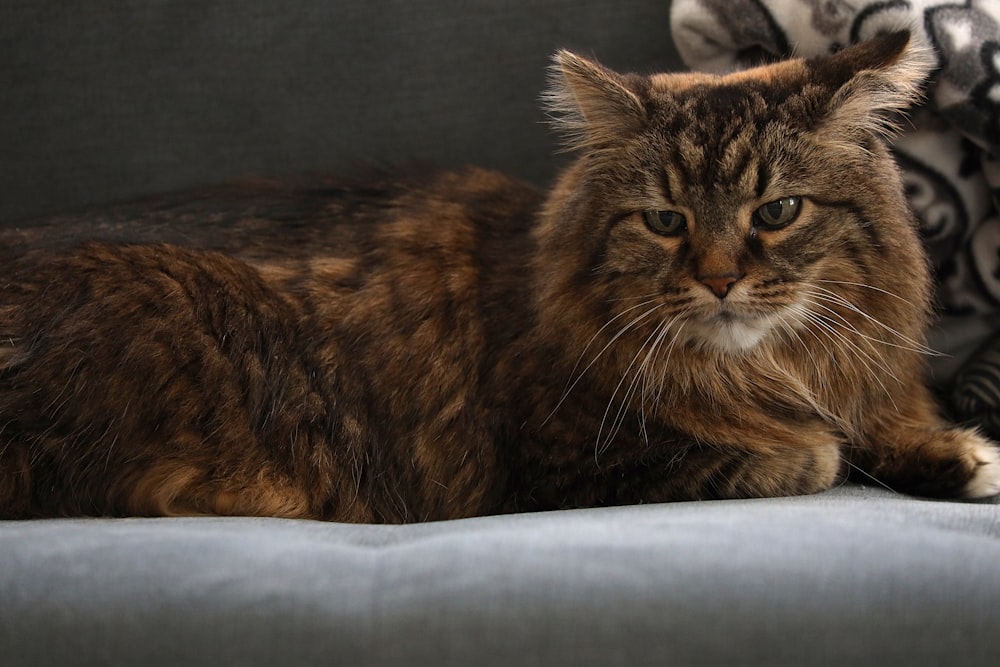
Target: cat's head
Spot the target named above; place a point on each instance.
(738, 207)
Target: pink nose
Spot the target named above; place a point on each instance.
(720, 285)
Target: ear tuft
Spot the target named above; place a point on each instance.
(874, 82)
(591, 105)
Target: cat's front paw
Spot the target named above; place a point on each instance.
(985, 480)
(940, 463)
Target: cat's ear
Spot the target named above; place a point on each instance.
(873, 83)
(591, 105)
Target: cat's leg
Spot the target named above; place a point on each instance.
(752, 454)
(909, 449)
(694, 469)
(742, 454)
(702, 472)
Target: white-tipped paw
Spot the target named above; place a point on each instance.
(985, 481)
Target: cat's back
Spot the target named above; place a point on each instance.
(390, 269)
(379, 248)
(261, 219)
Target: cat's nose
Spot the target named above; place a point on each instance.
(720, 285)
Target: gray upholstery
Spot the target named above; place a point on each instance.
(854, 576)
(104, 101)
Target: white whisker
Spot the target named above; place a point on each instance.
(664, 365)
(836, 319)
(574, 377)
(867, 474)
(648, 396)
(834, 297)
(619, 418)
(828, 328)
(866, 286)
(801, 314)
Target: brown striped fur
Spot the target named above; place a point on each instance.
(456, 344)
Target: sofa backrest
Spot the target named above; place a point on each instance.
(109, 101)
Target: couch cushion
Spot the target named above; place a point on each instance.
(853, 576)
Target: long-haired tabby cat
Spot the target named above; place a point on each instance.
(723, 296)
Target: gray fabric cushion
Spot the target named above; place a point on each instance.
(854, 576)
(112, 100)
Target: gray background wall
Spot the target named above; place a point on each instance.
(102, 103)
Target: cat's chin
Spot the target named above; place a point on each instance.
(729, 335)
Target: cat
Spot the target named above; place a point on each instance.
(723, 296)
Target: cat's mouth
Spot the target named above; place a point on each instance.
(727, 315)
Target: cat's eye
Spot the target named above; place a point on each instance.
(666, 223)
(778, 213)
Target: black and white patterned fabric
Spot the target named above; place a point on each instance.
(950, 155)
